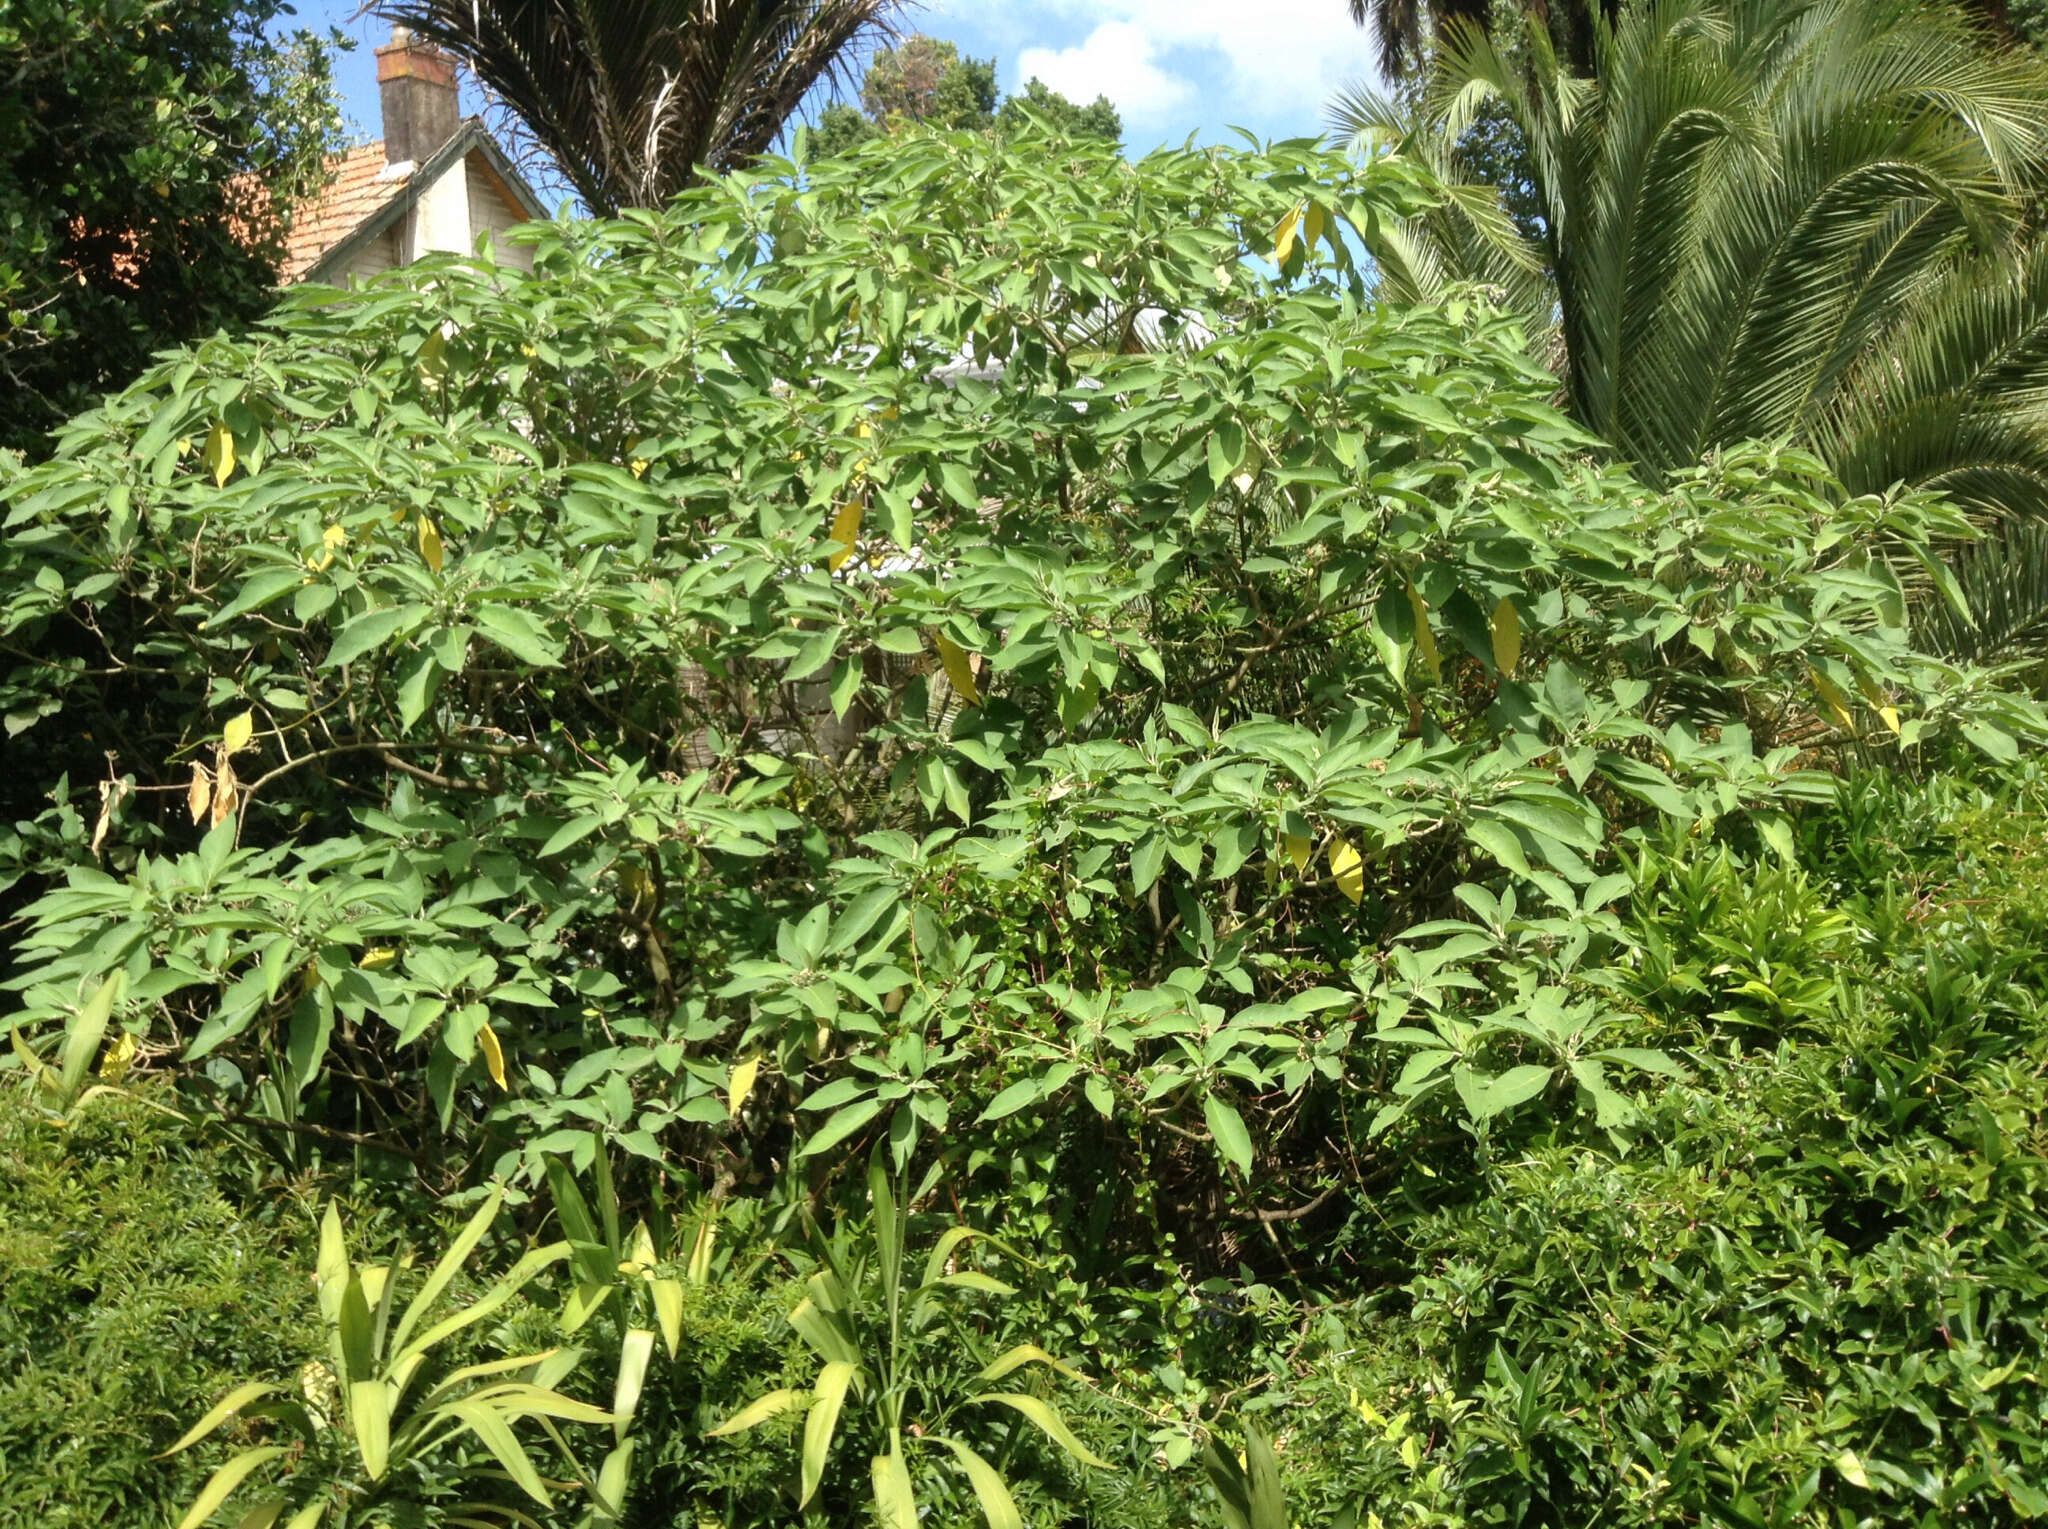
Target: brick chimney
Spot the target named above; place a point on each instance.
(421, 100)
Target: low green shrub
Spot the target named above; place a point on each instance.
(139, 1279)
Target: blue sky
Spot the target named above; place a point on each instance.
(1173, 67)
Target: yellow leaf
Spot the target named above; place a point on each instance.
(330, 539)
(637, 885)
(430, 543)
(1296, 848)
(958, 670)
(114, 1065)
(845, 531)
(1348, 869)
(494, 1054)
(377, 957)
(236, 735)
(1886, 712)
(740, 1085)
(1283, 236)
(1507, 637)
(698, 1270)
(1425, 640)
(200, 792)
(220, 454)
(1837, 703)
(1312, 227)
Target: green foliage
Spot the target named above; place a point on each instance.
(150, 154)
(138, 1278)
(1098, 119)
(560, 769)
(386, 1420)
(1815, 1300)
(894, 1346)
(925, 80)
(1759, 219)
(1016, 666)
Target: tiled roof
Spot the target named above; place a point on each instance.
(357, 191)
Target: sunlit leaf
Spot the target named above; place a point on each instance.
(218, 1414)
(958, 670)
(494, 1053)
(829, 1393)
(221, 1485)
(759, 1411)
(430, 542)
(741, 1085)
(1347, 869)
(1425, 640)
(220, 454)
(1042, 1415)
(846, 531)
(990, 1490)
(1283, 235)
(1507, 638)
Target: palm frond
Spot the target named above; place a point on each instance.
(2004, 583)
(634, 98)
(1778, 219)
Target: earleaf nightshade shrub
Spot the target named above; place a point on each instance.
(978, 649)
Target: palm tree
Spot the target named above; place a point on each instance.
(1805, 219)
(632, 98)
(1400, 28)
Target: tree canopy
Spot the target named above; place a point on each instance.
(151, 152)
(925, 80)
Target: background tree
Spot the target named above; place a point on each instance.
(925, 80)
(150, 153)
(1098, 119)
(632, 100)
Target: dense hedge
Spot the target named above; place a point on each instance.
(139, 1278)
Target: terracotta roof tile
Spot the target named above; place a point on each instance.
(355, 193)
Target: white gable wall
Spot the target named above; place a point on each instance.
(439, 218)
(490, 214)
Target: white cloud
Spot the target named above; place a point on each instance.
(1115, 61)
(1268, 63)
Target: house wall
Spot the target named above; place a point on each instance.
(377, 255)
(490, 213)
(439, 218)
